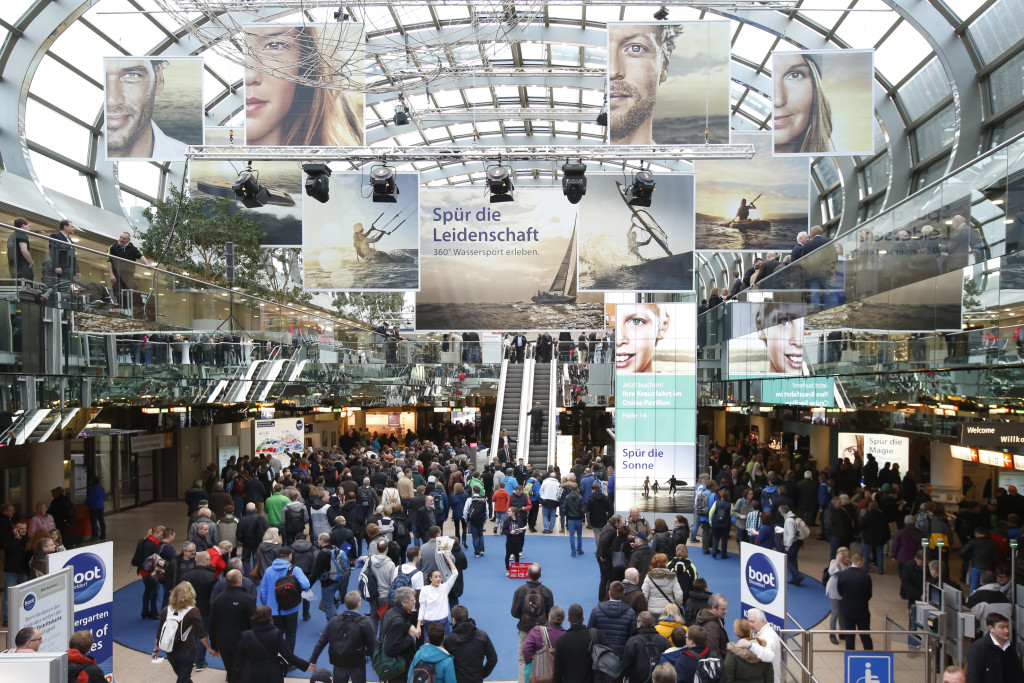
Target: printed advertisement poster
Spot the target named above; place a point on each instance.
(886, 448)
(761, 203)
(153, 107)
(45, 604)
(279, 438)
(668, 83)
(768, 339)
(509, 266)
(655, 405)
(625, 245)
(763, 583)
(92, 568)
(804, 391)
(353, 243)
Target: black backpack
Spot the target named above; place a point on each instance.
(287, 591)
(398, 529)
(478, 513)
(650, 654)
(709, 670)
(425, 672)
(365, 495)
(723, 511)
(294, 521)
(139, 556)
(346, 643)
(534, 613)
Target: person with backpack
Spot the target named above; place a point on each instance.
(689, 657)
(575, 511)
(249, 533)
(599, 510)
(202, 578)
(82, 668)
(263, 649)
(721, 522)
(684, 569)
(375, 580)
(281, 590)
(145, 550)
(471, 647)
(532, 491)
(332, 568)
(432, 664)
(573, 663)
(539, 648)
(396, 646)
(702, 505)
(304, 557)
(531, 604)
(349, 639)
(457, 503)
(179, 630)
(294, 517)
(795, 530)
(643, 650)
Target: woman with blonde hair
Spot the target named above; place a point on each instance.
(282, 111)
(671, 617)
(742, 665)
(189, 631)
(266, 553)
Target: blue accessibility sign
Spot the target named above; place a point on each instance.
(876, 667)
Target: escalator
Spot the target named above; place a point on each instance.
(543, 386)
(509, 403)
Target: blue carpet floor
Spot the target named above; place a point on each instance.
(488, 596)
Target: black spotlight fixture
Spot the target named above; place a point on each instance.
(602, 118)
(661, 14)
(574, 183)
(317, 184)
(401, 116)
(641, 189)
(248, 189)
(382, 178)
(499, 180)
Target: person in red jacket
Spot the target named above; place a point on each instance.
(81, 667)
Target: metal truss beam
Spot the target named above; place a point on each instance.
(506, 114)
(251, 5)
(457, 153)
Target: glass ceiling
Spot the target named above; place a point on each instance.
(916, 89)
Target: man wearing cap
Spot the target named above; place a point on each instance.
(641, 557)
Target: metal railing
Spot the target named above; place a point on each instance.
(798, 660)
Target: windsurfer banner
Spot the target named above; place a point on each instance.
(759, 204)
(626, 246)
(507, 266)
(655, 406)
(353, 243)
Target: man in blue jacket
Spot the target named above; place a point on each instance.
(534, 499)
(285, 619)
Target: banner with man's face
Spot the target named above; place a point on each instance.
(668, 82)
(153, 107)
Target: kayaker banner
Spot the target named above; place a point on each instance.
(353, 243)
(295, 80)
(504, 266)
(668, 83)
(280, 218)
(153, 107)
(761, 203)
(628, 244)
(823, 102)
(655, 406)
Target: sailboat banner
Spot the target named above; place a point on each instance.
(629, 244)
(505, 266)
(655, 406)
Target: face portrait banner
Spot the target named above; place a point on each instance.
(823, 102)
(761, 203)
(626, 247)
(280, 218)
(506, 266)
(668, 82)
(655, 404)
(153, 107)
(768, 339)
(282, 107)
(353, 243)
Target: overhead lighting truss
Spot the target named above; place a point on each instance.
(596, 153)
(506, 113)
(253, 5)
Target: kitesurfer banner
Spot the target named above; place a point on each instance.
(353, 243)
(509, 266)
(625, 246)
(655, 406)
(668, 83)
(823, 102)
(759, 204)
(280, 218)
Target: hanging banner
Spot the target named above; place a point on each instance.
(351, 243)
(93, 585)
(153, 107)
(506, 266)
(894, 450)
(668, 83)
(655, 405)
(629, 244)
(45, 604)
(278, 438)
(761, 203)
(823, 102)
(763, 583)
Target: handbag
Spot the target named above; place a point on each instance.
(618, 561)
(603, 660)
(384, 665)
(543, 665)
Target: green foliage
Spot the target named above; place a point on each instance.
(370, 308)
(971, 293)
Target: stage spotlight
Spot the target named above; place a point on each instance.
(401, 117)
(574, 184)
(248, 189)
(382, 178)
(661, 14)
(641, 189)
(499, 180)
(602, 118)
(317, 184)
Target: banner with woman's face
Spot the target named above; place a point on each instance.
(823, 102)
(295, 85)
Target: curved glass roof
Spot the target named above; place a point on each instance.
(947, 84)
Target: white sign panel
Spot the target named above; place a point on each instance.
(278, 438)
(93, 584)
(763, 583)
(886, 448)
(44, 603)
